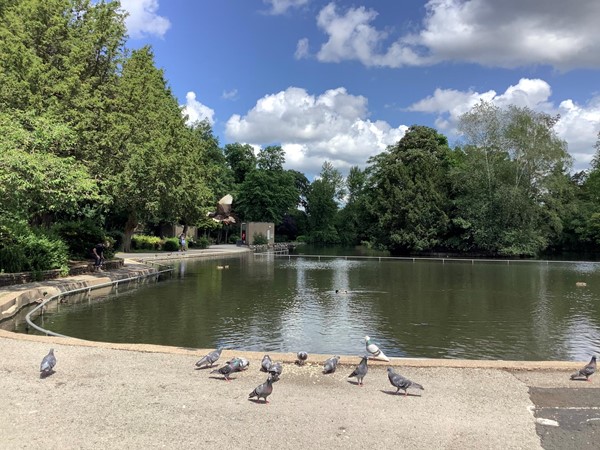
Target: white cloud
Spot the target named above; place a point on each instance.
(333, 126)
(281, 6)
(230, 95)
(196, 111)
(143, 19)
(578, 124)
(301, 49)
(508, 34)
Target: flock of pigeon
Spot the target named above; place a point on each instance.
(275, 369)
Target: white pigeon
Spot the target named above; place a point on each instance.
(374, 351)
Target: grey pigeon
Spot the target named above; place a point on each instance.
(400, 382)
(331, 364)
(264, 390)
(360, 371)
(210, 359)
(47, 365)
(275, 370)
(587, 371)
(265, 363)
(226, 370)
(302, 357)
(239, 364)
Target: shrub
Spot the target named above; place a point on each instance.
(142, 242)
(117, 239)
(44, 252)
(259, 239)
(80, 237)
(202, 242)
(171, 245)
(233, 238)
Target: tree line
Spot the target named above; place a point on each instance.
(93, 142)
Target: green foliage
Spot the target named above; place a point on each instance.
(142, 242)
(170, 245)
(202, 242)
(81, 236)
(259, 239)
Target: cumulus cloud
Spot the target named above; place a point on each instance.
(196, 111)
(143, 19)
(509, 34)
(277, 7)
(333, 126)
(578, 124)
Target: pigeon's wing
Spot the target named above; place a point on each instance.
(48, 362)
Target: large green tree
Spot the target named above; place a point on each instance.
(322, 200)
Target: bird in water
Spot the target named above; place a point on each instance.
(587, 371)
(400, 382)
(302, 357)
(361, 370)
(47, 365)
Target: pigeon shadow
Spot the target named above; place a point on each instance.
(355, 383)
(46, 374)
(579, 379)
(214, 377)
(203, 368)
(255, 400)
(399, 394)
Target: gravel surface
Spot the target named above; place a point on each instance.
(153, 397)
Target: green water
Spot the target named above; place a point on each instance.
(481, 310)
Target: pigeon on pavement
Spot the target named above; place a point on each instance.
(239, 364)
(302, 357)
(275, 370)
(331, 364)
(226, 370)
(587, 371)
(210, 359)
(360, 371)
(265, 363)
(400, 382)
(263, 390)
(374, 351)
(47, 365)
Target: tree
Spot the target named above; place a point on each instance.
(408, 191)
(241, 160)
(322, 205)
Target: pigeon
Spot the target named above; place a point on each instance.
(275, 370)
(374, 351)
(264, 390)
(47, 365)
(210, 359)
(239, 364)
(302, 357)
(265, 363)
(398, 381)
(226, 370)
(587, 371)
(331, 364)
(360, 371)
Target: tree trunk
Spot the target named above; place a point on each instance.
(130, 227)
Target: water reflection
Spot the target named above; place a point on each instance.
(484, 310)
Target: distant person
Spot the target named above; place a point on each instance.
(98, 255)
(182, 242)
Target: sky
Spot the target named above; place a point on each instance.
(341, 80)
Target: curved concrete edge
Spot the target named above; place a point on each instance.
(346, 360)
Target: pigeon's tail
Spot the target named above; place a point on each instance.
(215, 371)
(202, 362)
(575, 375)
(417, 386)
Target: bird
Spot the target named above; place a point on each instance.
(587, 371)
(47, 365)
(374, 351)
(400, 382)
(263, 390)
(361, 370)
(265, 363)
(239, 364)
(209, 359)
(302, 357)
(331, 364)
(275, 370)
(225, 370)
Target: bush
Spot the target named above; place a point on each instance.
(259, 239)
(202, 242)
(80, 237)
(233, 238)
(142, 242)
(44, 252)
(171, 245)
(116, 236)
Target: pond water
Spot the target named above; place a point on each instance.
(421, 308)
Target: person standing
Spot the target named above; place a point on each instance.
(182, 242)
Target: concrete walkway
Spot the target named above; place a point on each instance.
(117, 396)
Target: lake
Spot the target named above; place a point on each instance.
(513, 310)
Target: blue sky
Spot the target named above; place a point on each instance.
(339, 81)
